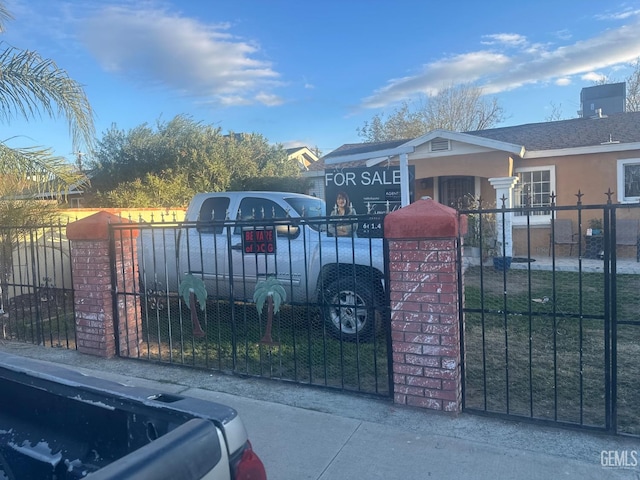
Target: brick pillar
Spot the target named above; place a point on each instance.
(425, 324)
(92, 284)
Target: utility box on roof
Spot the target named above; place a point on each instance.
(607, 99)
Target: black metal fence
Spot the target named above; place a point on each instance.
(36, 288)
(280, 299)
(552, 315)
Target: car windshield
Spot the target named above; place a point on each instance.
(308, 208)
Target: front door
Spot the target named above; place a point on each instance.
(456, 191)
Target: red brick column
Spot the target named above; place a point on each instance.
(92, 284)
(425, 325)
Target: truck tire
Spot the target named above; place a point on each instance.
(349, 310)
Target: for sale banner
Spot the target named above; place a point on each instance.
(372, 191)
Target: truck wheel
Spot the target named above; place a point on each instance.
(348, 310)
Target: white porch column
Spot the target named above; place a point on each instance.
(404, 179)
(504, 190)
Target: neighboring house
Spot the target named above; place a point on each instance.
(526, 163)
(303, 156)
(73, 196)
(307, 160)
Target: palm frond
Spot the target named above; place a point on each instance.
(4, 16)
(191, 284)
(270, 287)
(31, 85)
(35, 170)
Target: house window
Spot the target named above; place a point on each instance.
(629, 180)
(534, 189)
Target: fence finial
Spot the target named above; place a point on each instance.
(609, 194)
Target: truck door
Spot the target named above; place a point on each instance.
(206, 251)
(263, 253)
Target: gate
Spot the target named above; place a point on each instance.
(36, 288)
(552, 332)
(329, 325)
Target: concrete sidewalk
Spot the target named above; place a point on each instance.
(307, 433)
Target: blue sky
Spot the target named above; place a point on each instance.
(310, 73)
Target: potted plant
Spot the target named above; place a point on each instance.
(480, 240)
(472, 238)
(595, 225)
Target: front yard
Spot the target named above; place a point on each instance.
(304, 353)
(545, 355)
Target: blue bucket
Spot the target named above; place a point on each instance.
(502, 263)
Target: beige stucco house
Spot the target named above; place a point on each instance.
(531, 162)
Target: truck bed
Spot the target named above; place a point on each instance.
(58, 423)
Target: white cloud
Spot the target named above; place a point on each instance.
(158, 48)
(440, 74)
(622, 15)
(564, 34)
(268, 99)
(593, 77)
(505, 39)
(497, 71)
(294, 144)
(563, 82)
(232, 100)
(307, 85)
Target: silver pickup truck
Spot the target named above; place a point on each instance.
(57, 423)
(233, 240)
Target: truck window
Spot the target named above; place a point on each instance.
(255, 208)
(214, 209)
(308, 207)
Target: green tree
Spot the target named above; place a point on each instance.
(459, 108)
(166, 189)
(165, 165)
(272, 184)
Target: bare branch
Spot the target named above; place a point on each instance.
(633, 88)
(459, 108)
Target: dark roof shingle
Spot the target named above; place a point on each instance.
(577, 132)
(356, 148)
